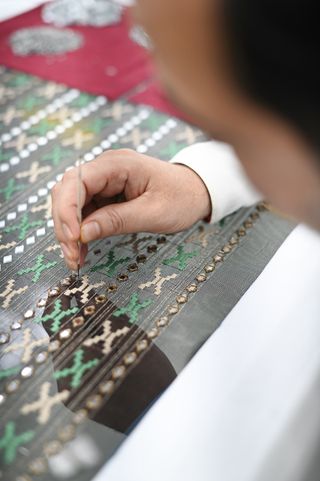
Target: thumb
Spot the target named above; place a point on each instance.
(137, 215)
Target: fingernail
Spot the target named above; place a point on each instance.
(90, 232)
(67, 232)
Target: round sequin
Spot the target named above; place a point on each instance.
(218, 258)
(132, 267)
(192, 288)
(182, 299)
(141, 258)
(65, 334)
(93, 402)
(101, 299)
(38, 466)
(163, 321)
(152, 248)
(66, 433)
(241, 232)
(54, 291)
(53, 447)
(112, 287)
(89, 310)
(2, 398)
(201, 277)
(80, 416)
(41, 302)
(122, 277)
(41, 357)
(154, 332)
(15, 326)
(141, 345)
(234, 240)
(54, 346)
(161, 239)
(29, 314)
(27, 371)
(12, 386)
(106, 387)
(4, 337)
(173, 310)
(129, 358)
(66, 281)
(118, 372)
(210, 268)
(78, 321)
(226, 249)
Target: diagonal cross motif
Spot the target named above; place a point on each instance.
(10, 114)
(27, 344)
(56, 155)
(20, 142)
(78, 139)
(116, 110)
(8, 245)
(107, 337)
(49, 90)
(9, 293)
(85, 288)
(44, 404)
(132, 308)
(181, 258)
(10, 441)
(23, 227)
(136, 137)
(46, 206)
(77, 369)
(57, 315)
(11, 188)
(34, 172)
(38, 268)
(157, 282)
(110, 266)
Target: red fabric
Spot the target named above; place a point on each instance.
(105, 50)
(109, 63)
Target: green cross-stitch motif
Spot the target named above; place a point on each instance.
(43, 127)
(23, 227)
(38, 268)
(57, 315)
(19, 80)
(172, 149)
(98, 124)
(29, 103)
(82, 100)
(154, 121)
(57, 154)
(77, 369)
(11, 188)
(4, 155)
(132, 308)
(10, 371)
(181, 258)
(10, 441)
(110, 266)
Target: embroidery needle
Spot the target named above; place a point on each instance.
(79, 211)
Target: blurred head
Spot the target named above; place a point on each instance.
(247, 72)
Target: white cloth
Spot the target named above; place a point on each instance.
(221, 171)
(229, 415)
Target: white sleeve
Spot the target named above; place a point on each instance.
(227, 183)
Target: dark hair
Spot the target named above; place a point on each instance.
(274, 46)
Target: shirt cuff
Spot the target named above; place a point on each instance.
(219, 168)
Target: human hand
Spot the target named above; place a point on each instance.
(158, 197)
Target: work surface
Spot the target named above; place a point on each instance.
(81, 361)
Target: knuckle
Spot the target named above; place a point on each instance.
(116, 221)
